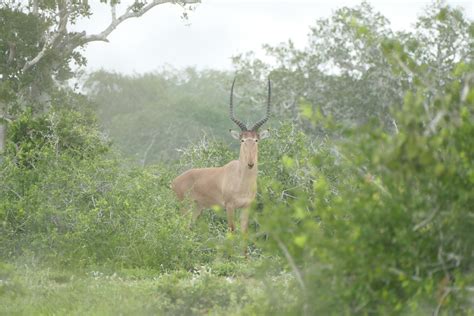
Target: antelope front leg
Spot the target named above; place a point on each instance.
(230, 219)
(244, 220)
(244, 224)
(196, 210)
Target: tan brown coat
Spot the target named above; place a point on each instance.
(231, 186)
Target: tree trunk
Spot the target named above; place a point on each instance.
(3, 135)
(3, 127)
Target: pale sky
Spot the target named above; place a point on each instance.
(218, 29)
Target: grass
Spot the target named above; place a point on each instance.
(226, 286)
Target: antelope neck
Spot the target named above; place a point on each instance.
(245, 171)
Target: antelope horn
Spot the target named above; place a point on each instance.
(267, 115)
(236, 121)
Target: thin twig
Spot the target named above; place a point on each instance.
(292, 263)
(409, 72)
(434, 122)
(441, 301)
(394, 123)
(145, 155)
(426, 221)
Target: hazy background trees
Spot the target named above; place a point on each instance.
(350, 70)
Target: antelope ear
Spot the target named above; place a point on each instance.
(235, 134)
(264, 134)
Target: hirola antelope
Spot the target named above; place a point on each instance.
(233, 185)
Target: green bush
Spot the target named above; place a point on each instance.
(60, 131)
(390, 231)
(92, 212)
(67, 201)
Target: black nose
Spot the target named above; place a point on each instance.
(250, 165)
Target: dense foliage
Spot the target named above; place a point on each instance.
(390, 228)
(365, 186)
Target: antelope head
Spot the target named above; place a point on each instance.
(249, 137)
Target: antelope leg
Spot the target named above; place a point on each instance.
(230, 219)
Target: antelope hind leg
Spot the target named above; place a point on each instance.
(230, 219)
(197, 211)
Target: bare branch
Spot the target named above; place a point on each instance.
(466, 88)
(129, 13)
(426, 221)
(5, 118)
(443, 297)
(62, 29)
(152, 142)
(58, 37)
(434, 122)
(113, 10)
(12, 51)
(411, 74)
(41, 54)
(394, 123)
(16, 193)
(35, 7)
(296, 271)
(292, 263)
(369, 177)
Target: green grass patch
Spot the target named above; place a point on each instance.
(223, 287)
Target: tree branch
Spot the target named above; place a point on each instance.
(11, 53)
(426, 221)
(446, 292)
(113, 11)
(295, 269)
(35, 7)
(411, 74)
(5, 118)
(58, 37)
(62, 29)
(145, 155)
(292, 263)
(129, 13)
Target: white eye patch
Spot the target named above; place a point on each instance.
(249, 139)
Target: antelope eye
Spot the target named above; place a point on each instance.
(241, 140)
(256, 140)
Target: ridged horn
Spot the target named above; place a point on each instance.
(267, 115)
(236, 121)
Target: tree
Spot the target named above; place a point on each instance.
(441, 39)
(388, 229)
(37, 47)
(142, 113)
(344, 70)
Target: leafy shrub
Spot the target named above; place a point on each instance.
(60, 130)
(65, 201)
(92, 212)
(206, 153)
(392, 234)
